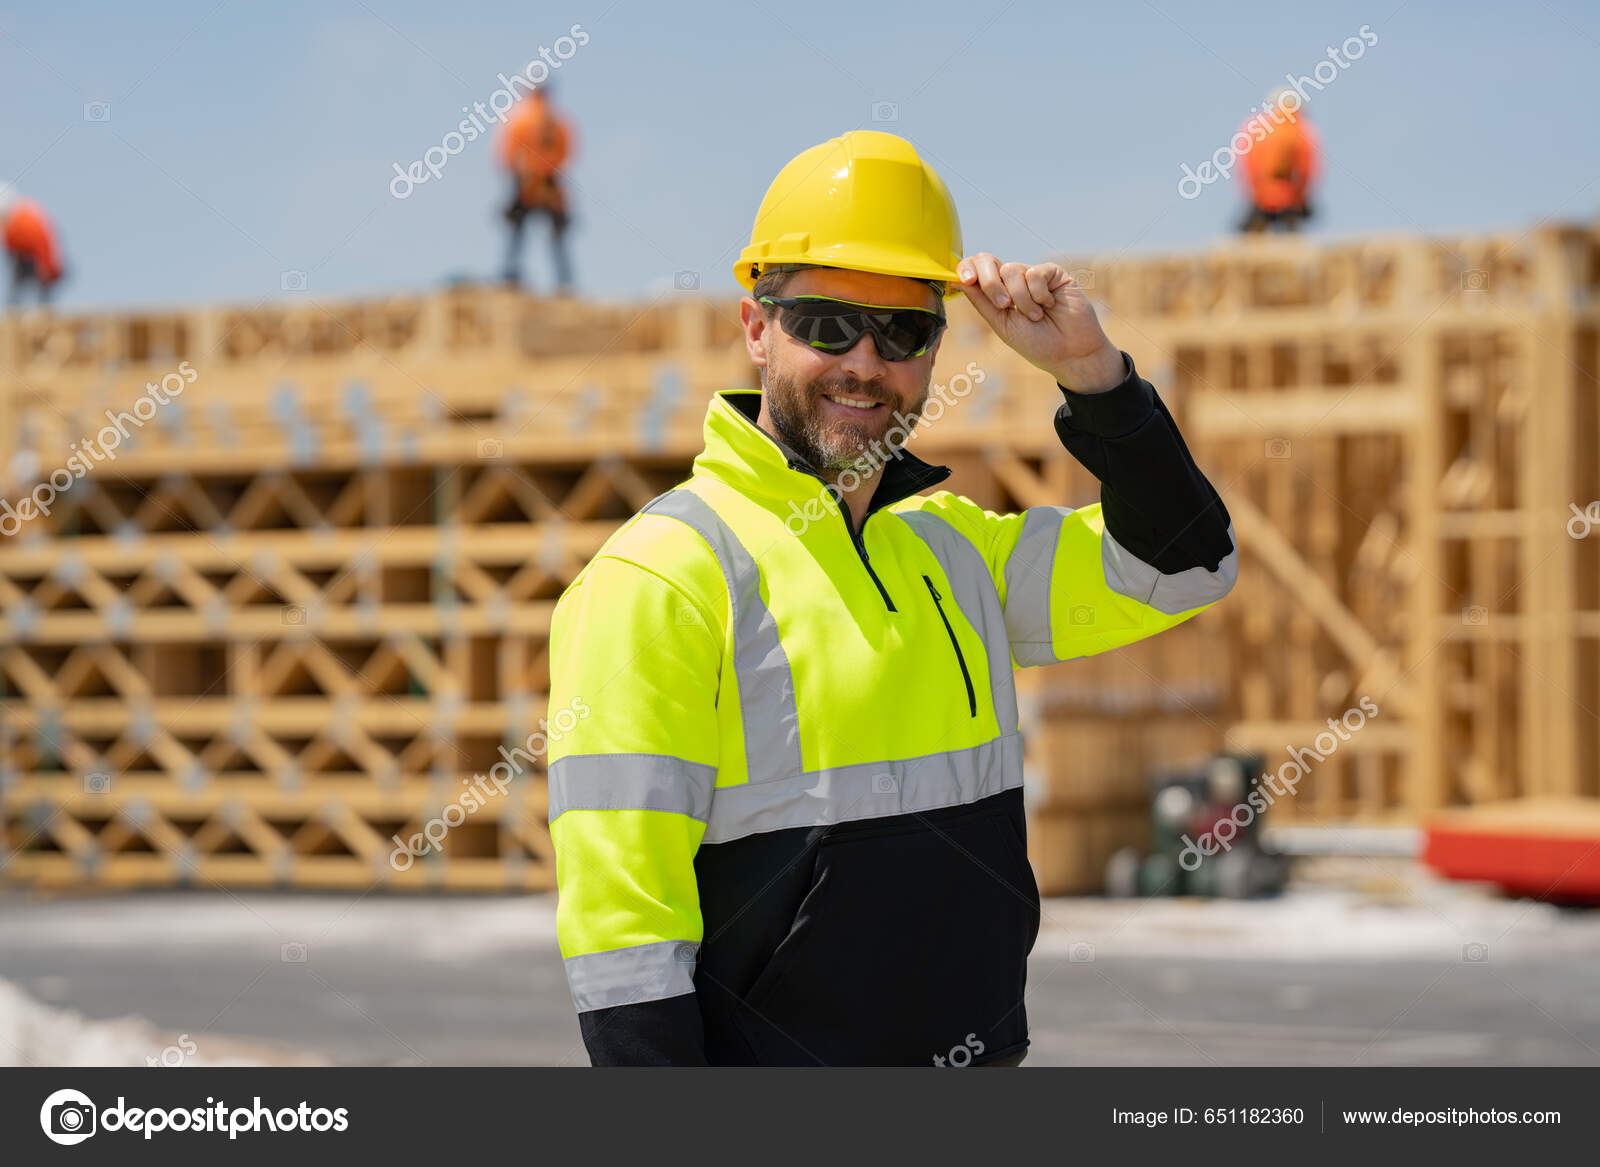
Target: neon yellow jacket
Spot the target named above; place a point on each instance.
(796, 790)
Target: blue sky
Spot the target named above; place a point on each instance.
(246, 139)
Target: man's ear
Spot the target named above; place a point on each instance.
(755, 330)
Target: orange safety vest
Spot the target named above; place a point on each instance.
(28, 233)
(1280, 168)
(534, 145)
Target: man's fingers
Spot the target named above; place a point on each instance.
(1040, 277)
(981, 282)
(1015, 278)
(979, 299)
(987, 268)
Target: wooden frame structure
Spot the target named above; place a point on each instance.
(309, 596)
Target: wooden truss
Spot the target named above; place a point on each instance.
(309, 598)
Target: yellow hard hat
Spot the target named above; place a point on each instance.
(864, 201)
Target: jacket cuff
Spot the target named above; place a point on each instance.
(1112, 413)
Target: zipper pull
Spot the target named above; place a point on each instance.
(935, 592)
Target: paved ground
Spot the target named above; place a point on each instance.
(1324, 975)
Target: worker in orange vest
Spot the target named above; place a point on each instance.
(1281, 167)
(533, 146)
(30, 242)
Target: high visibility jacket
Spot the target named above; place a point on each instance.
(535, 144)
(27, 232)
(1280, 168)
(788, 825)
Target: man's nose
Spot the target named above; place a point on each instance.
(863, 360)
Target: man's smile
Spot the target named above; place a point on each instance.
(853, 407)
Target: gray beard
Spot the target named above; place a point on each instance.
(823, 449)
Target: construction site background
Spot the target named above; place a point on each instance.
(277, 571)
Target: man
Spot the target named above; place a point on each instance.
(30, 242)
(790, 829)
(533, 146)
(1280, 169)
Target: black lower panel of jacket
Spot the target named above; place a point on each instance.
(892, 941)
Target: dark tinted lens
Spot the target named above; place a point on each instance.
(824, 324)
(906, 334)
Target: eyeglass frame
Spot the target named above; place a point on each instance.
(792, 301)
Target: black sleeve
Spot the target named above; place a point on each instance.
(1156, 502)
(652, 1033)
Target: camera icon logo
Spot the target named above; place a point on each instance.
(1080, 615)
(294, 614)
(1080, 953)
(98, 782)
(1475, 280)
(491, 448)
(885, 111)
(292, 281)
(686, 953)
(1083, 277)
(1476, 953)
(884, 784)
(1476, 615)
(97, 111)
(1277, 447)
(292, 952)
(68, 1117)
(686, 281)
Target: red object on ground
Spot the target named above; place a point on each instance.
(1546, 849)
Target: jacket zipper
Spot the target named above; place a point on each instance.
(866, 562)
(972, 696)
(855, 539)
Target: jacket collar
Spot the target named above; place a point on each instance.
(760, 465)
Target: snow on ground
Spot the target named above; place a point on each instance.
(35, 1034)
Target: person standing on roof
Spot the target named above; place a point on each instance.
(1281, 168)
(789, 828)
(31, 245)
(533, 146)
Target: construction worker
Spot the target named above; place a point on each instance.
(533, 146)
(789, 829)
(1280, 168)
(30, 242)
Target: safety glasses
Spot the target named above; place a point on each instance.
(837, 326)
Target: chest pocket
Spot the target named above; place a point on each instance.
(971, 592)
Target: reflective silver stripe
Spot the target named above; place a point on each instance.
(631, 782)
(1029, 569)
(868, 790)
(766, 684)
(627, 976)
(979, 602)
(1128, 575)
